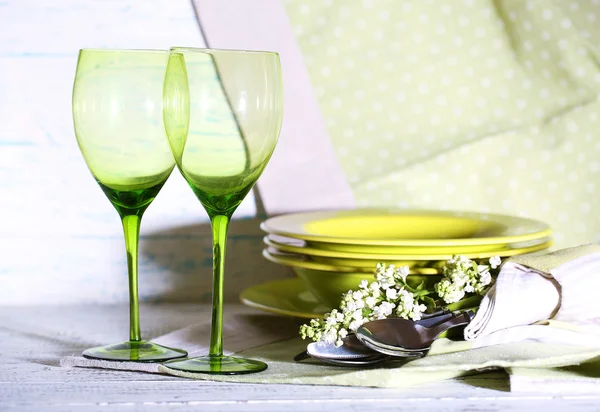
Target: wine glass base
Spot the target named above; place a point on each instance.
(218, 365)
(134, 351)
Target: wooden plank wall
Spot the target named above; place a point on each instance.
(60, 239)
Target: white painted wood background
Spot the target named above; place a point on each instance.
(60, 238)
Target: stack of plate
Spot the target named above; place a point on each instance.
(331, 252)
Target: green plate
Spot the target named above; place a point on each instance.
(288, 297)
(291, 297)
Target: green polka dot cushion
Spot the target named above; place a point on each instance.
(467, 104)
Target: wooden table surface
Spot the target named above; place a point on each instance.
(34, 338)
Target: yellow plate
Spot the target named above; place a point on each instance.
(302, 261)
(388, 227)
(403, 250)
(289, 297)
(372, 251)
(353, 260)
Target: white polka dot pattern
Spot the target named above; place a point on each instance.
(469, 104)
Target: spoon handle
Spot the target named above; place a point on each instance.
(459, 320)
(435, 320)
(435, 314)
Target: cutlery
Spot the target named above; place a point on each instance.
(355, 353)
(400, 337)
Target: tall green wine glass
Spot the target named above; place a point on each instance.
(236, 110)
(118, 118)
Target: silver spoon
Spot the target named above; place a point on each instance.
(351, 350)
(367, 361)
(400, 337)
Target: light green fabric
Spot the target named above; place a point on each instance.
(545, 263)
(469, 104)
(447, 360)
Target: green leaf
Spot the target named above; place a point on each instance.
(421, 286)
(430, 302)
(422, 293)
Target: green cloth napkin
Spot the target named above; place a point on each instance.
(446, 360)
(547, 262)
(486, 105)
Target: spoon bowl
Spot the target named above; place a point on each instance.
(401, 337)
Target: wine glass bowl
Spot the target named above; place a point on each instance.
(235, 116)
(235, 102)
(118, 120)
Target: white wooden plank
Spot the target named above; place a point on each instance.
(61, 233)
(32, 340)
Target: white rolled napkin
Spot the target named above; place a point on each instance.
(563, 286)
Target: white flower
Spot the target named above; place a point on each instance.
(385, 283)
(403, 272)
(351, 306)
(459, 277)
(495, 261)
(357, 294)
(383, 310)
(363, 284)
(355, 324)
(357, 314)
(417, 312)
(486, 278)
(391, 293)
(385, 276)
(449, 291)
(370, 301)
(342, 333)
(331, 319)
(330, 337)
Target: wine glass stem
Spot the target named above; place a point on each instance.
(131, 229)
(219, 224)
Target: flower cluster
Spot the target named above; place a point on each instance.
(390, 294)
(462, 276)
(371, 301)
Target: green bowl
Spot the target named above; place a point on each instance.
(328, 287)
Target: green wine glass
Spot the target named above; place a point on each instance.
(118, 119)
(236, 110)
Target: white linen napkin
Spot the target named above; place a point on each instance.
(562, 286)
